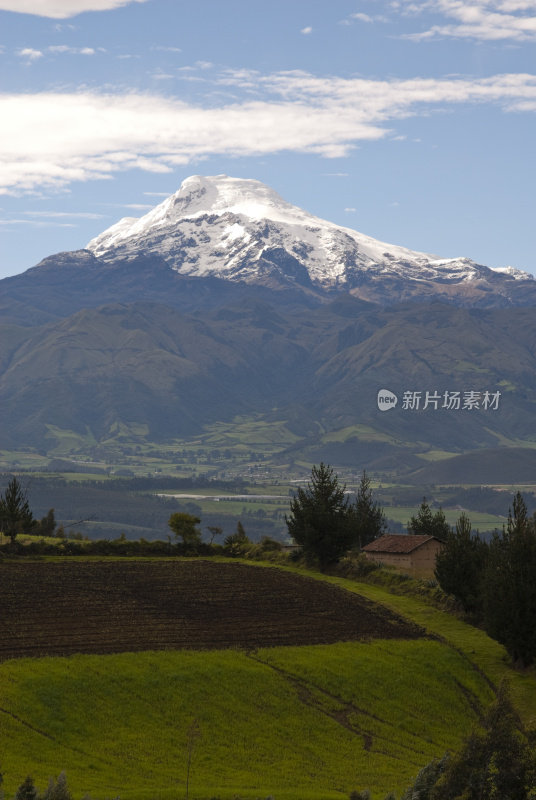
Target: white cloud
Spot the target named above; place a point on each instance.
(306, 31)
(362, 17)
(76, 51)
(61, 9)
(488, 20)
(60, 214)
(30, 54)
(36, 223)
(52, 139)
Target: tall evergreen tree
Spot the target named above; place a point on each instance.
(321, 518)
(27, 790)
(370, 517)
(460, 565)
(429, 524)
(57, 789)
(15, 514)
(509, 586)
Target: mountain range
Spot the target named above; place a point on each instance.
(225, 300)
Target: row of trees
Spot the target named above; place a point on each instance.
(326, 524)
(57, 789)
(495, 581)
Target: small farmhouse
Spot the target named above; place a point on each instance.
(412, 553)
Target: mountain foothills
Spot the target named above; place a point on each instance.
(225, 300)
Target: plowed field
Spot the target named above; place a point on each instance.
(59, 608)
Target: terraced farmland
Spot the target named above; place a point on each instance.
(61, 608)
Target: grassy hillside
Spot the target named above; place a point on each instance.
(315, 721)
(310, 722)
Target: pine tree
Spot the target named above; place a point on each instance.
(509, 586)
(460, 566)
(429, 524)
(370, 518)
(57, 789)
(322, 520)
(15, 514)
(27, 790)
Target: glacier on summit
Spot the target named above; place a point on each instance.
(242, 230)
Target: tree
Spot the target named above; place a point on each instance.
(57, 790)
(321, 518)
(460, 565)
(237, 543)
(214, 530)
(27, 790)
(15, 514)
(426, 780)
(184, 526)
(370, 518)
(429, 524)
(496, 763)
(509, 586)
(47, 525)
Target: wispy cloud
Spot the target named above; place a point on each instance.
(164, 49)
(73, 51)
(63, 214)
(360, 16)
(61, 9)
(29, 54)
(6, 223)
(489, 20)
(51, 139)
(306, 31)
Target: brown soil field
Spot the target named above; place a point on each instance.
(60, 608)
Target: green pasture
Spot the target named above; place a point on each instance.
(296, 723)
(479, 519)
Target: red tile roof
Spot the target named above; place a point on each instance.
(397, 543)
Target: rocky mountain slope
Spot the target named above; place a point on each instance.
(243, 231)
(227, 301)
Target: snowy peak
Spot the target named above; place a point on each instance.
(242, 230)
(201, 196)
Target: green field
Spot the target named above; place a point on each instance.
(480, 521)
(290, 722)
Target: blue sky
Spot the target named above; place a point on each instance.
(413, 122)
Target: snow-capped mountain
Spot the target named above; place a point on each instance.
(242, 230)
